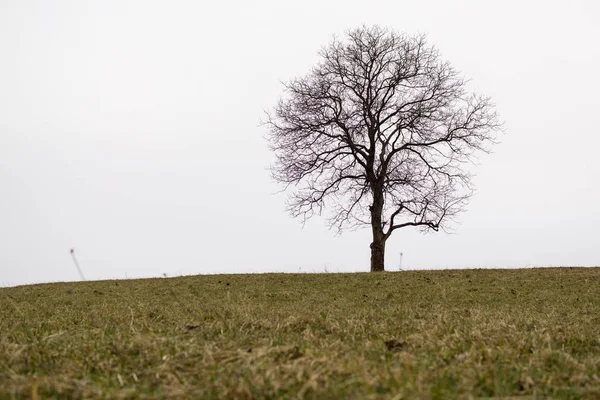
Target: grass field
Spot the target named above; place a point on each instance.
(427, 334)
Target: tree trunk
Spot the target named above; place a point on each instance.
(377, 255)
(378, 244)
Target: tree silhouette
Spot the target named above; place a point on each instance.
(379, 133)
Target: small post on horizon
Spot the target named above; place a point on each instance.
(77, 265)
(400, 266)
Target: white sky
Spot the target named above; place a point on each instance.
(129, 130)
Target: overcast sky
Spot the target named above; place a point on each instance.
(129, 130)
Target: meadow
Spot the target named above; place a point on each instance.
(528, 333)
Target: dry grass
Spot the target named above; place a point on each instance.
(430, 334)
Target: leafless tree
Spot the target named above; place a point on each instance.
(379, 132)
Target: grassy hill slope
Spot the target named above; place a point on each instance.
(427, 334)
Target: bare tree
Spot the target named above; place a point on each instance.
(379, 132)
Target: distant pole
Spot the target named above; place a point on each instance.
(77, 265)
(400, 266)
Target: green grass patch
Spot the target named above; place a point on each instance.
(425, 334)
